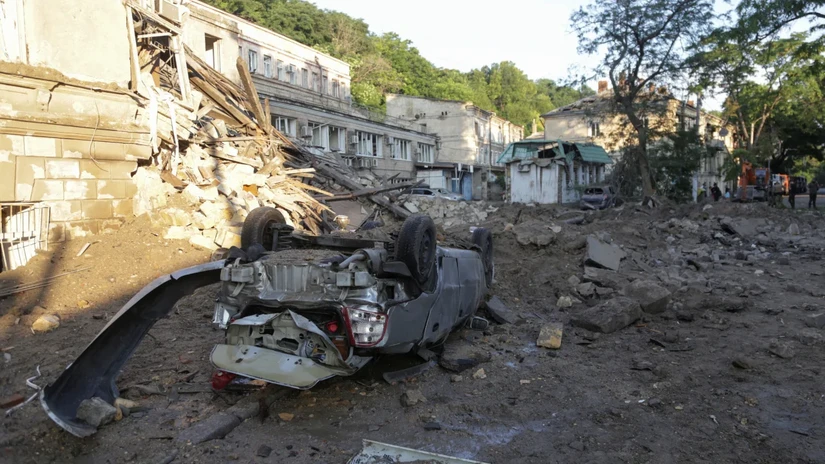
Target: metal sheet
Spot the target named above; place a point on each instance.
(382, 453)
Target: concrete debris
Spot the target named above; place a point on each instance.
(604, 278)
(743, 227)
(609, 316)
(96, 412)
(480, 374)
(412, 397)
(781, 349)
(214, 427)
(586, 289)
(816, 321)
(550, 336)
(564, 302)
(286, 416)
(573, 280)
(652, 297)
(535, 233)
(263, 451)
(603, 255)
(46, 323)
(499, 311)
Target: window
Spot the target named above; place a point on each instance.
(281, 71)
(337, 138)
(401, 149)
(325, 85)
(315, 82)
(212, 52)
(267, 66)
(304, 78)
(284, 125)
(368, 144)
(425, 153)
(253, 61)
(293, 76)
(320, 135)
(594, 130)
(335, 89)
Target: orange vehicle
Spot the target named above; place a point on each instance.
(753, 182)
(785, 183)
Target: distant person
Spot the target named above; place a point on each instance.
(700, 197)
(792, 196)
(727, 193)
(716, 192)
(812, 191)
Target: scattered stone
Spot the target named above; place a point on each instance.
(603, 255)
(783, 350)
(685, 316)
(499, 311)
(744, 227)
(374, 428)
(573, 281)
(576, 445)
(810, 336)
(793, 229)
(816, 321)
(641, 365)
(784, 261)
(286, 416)
(742, 363)
(794, 288)
(652, 297)
(604, 278)
(96, 412)
(175, 217)
(412, 397)
(203, 242)
(46, 323)
(432, 426)
(564, 302)
(263, 451)
(550, 336)
(178, 233)
(586, 289)
(83, 304)
(480, 374)
(214, 427)
(460, 355)
(604, 291)
(654, 402)
(609, 316)
(456, 378)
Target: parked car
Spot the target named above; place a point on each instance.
(297, 309)
(436, 193)
(599, 197)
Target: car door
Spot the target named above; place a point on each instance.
(445, 309)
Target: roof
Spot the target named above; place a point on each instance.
(550, 149)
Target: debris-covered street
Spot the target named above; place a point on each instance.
(716, 358)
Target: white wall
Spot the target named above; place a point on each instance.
(85, 40)
(537, 185)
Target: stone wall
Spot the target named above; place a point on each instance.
(448, 213)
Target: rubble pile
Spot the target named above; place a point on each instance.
(214, 146)
(448, 213)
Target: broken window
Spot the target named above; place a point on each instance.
(253, 61)
(304, 78)
(337, 138)
(212, 53)
(281, 71)
(325, 85)
(368, 144)
(315, 81)
(293, 76)
(425, 153)
(267, 66)
(319, 135)
(284, 125)
(594, 130)
(335, 89)
(401, 149)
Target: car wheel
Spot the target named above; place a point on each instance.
(258, 227)
(415, 247)
(483, 238)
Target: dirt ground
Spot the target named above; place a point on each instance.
(730, 372)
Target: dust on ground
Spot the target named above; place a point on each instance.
(704, 381)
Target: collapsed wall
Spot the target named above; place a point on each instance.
(448, 213)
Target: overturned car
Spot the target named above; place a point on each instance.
(298, 309)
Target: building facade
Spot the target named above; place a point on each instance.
(309, 95)
(590, 120)
(472, 139)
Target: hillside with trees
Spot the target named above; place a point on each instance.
(387, 63)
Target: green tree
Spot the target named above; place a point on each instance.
(642, 42)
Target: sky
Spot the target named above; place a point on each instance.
(466, 34)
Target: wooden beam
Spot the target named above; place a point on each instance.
(216, 96)
(252, 99)
(370, 191)
(326, 170)
(133, 54)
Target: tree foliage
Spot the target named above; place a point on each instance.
(643, 45)
(388, 63)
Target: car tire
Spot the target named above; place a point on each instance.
(257, 227)
(416, 246)
(483, 239)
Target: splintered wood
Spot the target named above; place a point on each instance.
(213, 141)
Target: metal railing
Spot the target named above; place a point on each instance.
(24, 229)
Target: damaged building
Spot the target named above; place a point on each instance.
(472, 139)
(168, 103)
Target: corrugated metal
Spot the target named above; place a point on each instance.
(593, 153)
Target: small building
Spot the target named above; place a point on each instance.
(552, 171)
